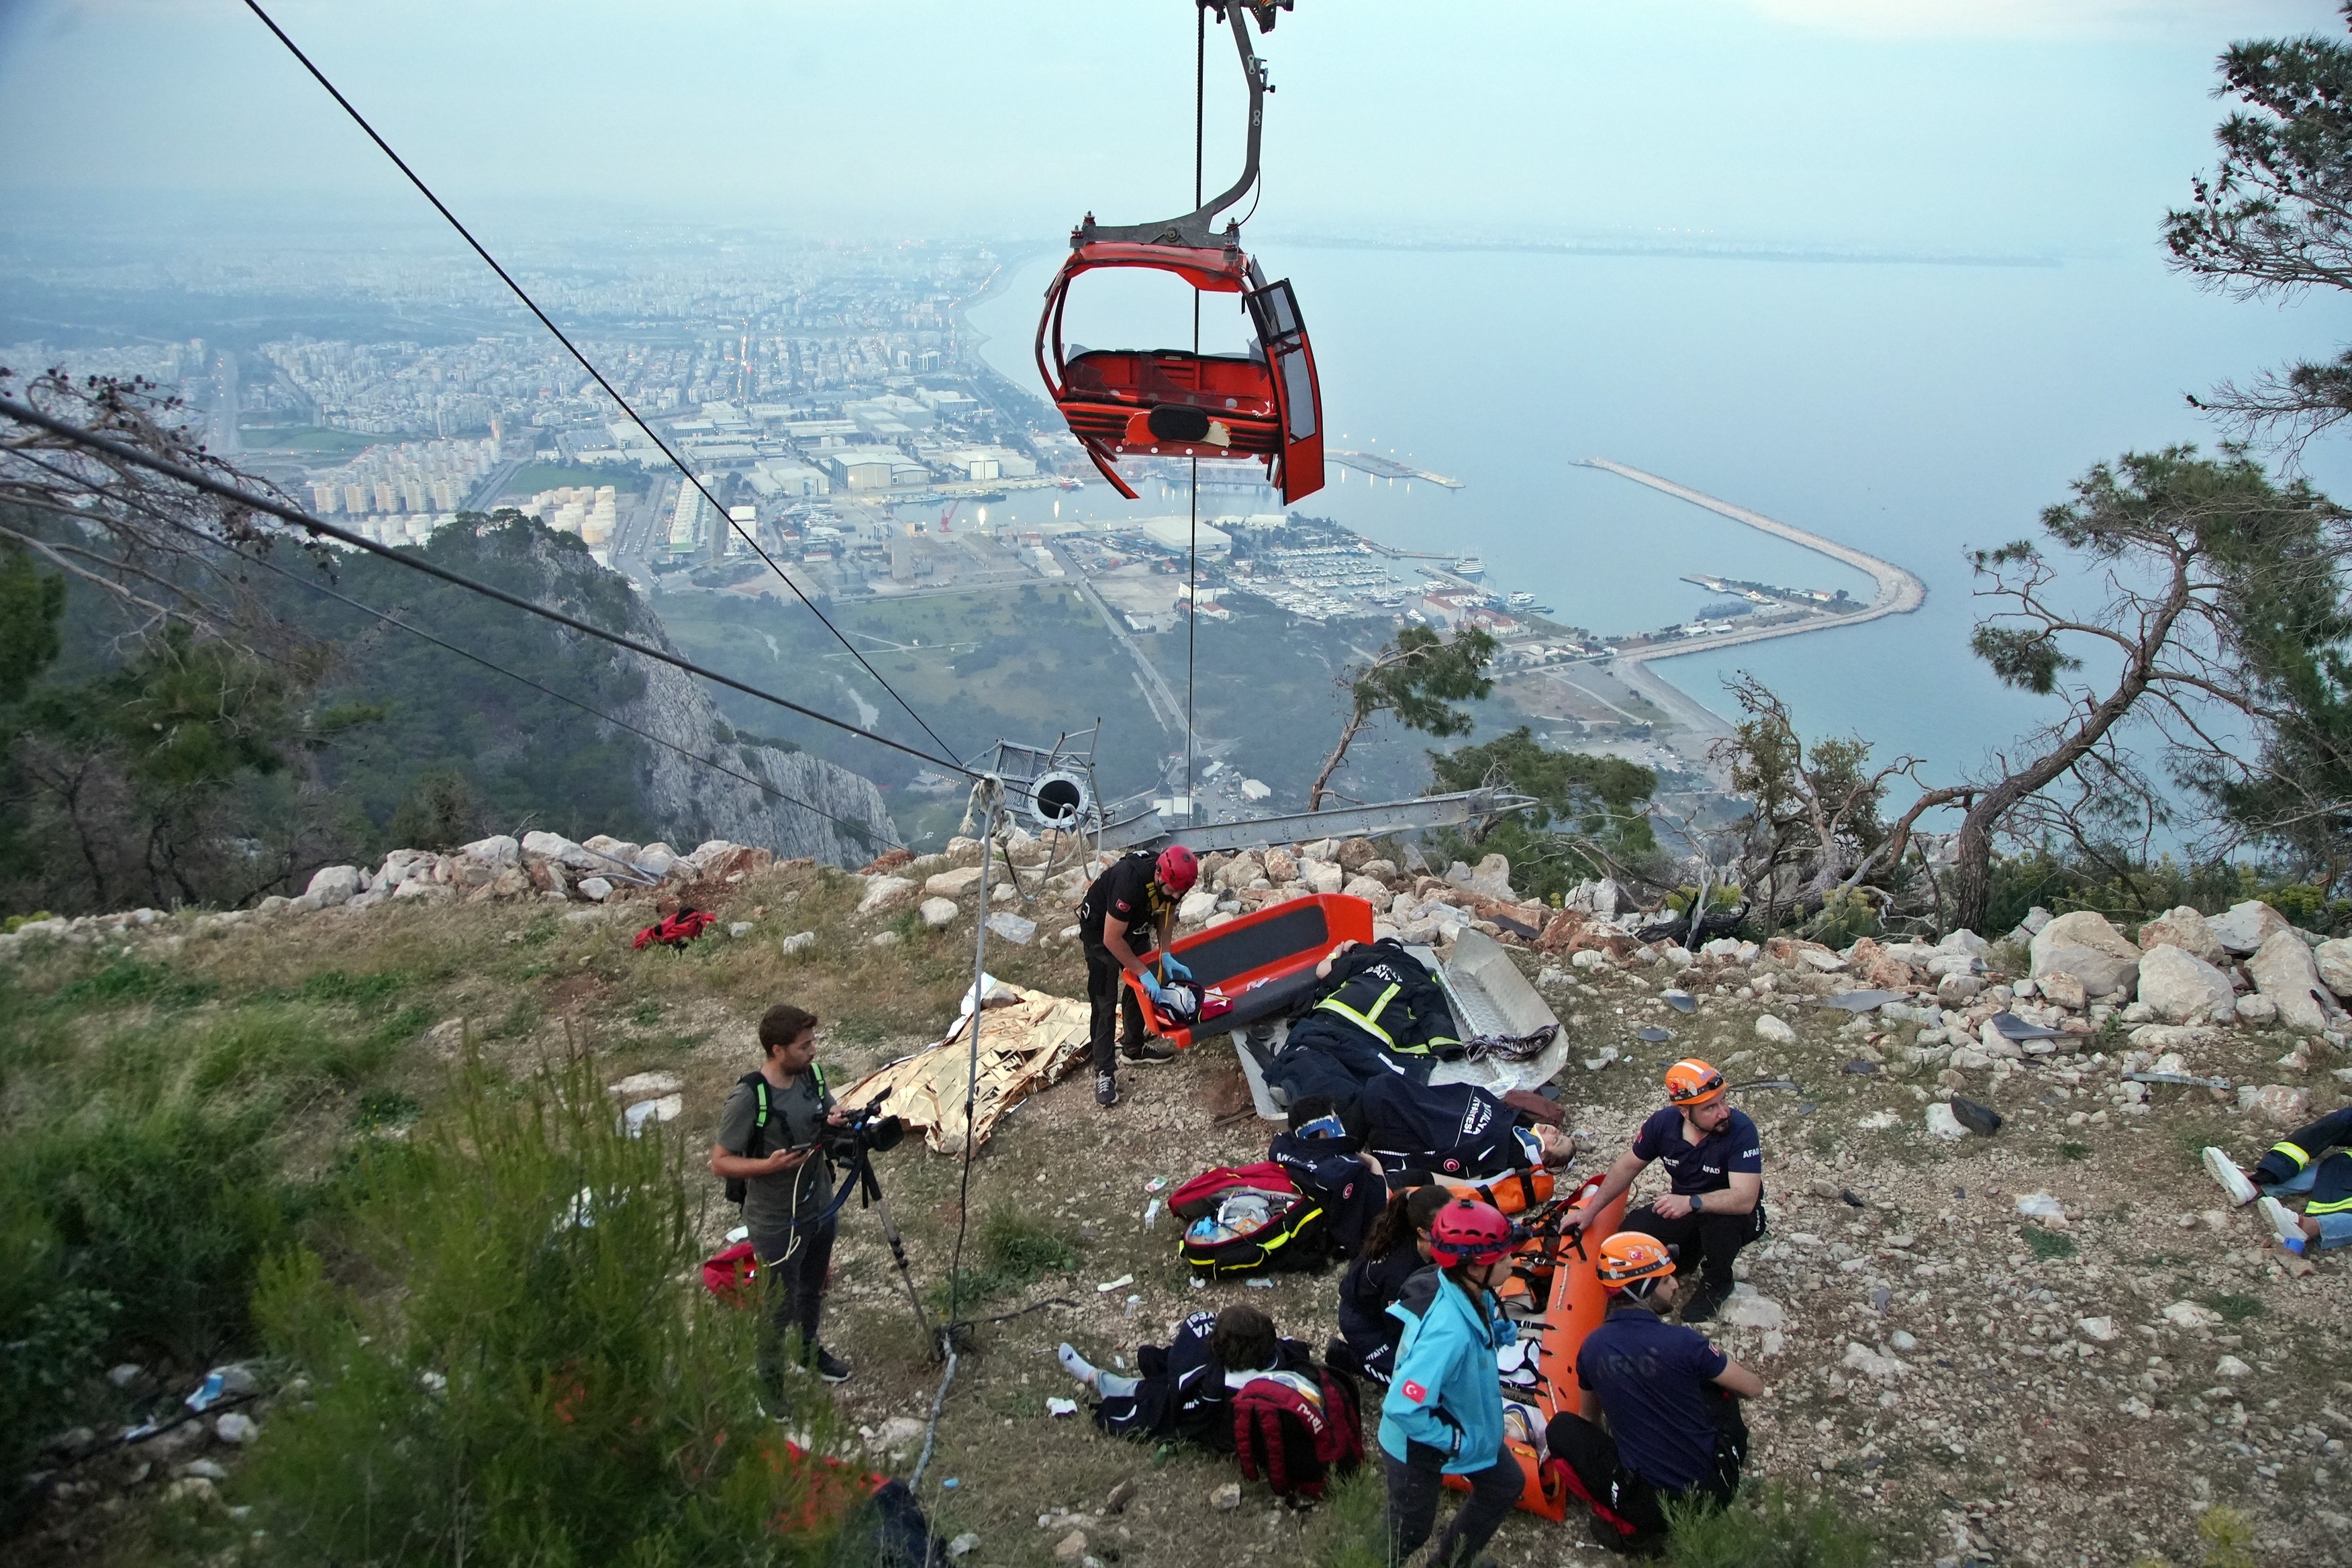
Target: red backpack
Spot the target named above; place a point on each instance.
(1294, 1439)
(676, 931)
(1198, 1196)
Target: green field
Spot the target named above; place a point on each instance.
(533, 478)
(306, 438)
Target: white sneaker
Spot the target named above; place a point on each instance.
(2284, 1224)
(2224, 1169)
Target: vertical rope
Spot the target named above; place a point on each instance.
(1193, 568)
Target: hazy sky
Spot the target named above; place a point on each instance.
(2042, 125)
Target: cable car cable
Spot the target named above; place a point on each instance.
(585, 364)
(210, 486)
(1192, 565)
(861, 829)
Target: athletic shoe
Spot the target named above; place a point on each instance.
(2284, 1224)
(1703, 1304)
(2225, 1171)
(829, 1366)
(1149, 1051)
(1106, 1088)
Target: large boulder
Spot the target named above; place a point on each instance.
(548, 845)
(1355, 854)
(953, 884)
(2084, 945)
(2247, 926)
(2282, 970)
(1281, 865)
(659, 861)
(1491, 877)
(1372, 889)
(333, 885)
(498, 851)
(2185, 929)
(2334, 960)
(883, 892)
(1197, 905)
(2182, 987)
(1594, 897)
(1322, 875)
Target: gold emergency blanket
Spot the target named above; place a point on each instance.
(1024, 1046)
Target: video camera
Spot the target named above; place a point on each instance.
(864, 1131)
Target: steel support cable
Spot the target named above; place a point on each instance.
(1192, 566)
(25, 413)
(861, 829)
(585, 364)
(990, 793)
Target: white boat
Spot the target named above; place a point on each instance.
(1470, 566)
(1523, 601)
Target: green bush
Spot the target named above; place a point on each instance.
(1767, 1528)
(514, 1363)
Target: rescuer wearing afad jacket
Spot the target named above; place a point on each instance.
(1715, 1161)
(1442, 1413)
(1378, 1011)
(2313, 1163)
(1129, 911)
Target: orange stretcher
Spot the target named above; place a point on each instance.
(1557, 1268)
(1264, 961)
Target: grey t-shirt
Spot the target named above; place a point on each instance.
(795, 1116)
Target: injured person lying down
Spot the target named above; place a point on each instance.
(1458, 1130)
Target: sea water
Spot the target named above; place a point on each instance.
(1913, 410)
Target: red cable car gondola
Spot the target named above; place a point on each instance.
(1172, 403)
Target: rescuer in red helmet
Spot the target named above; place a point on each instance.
(1671, 1399)
(1714, 1202)
(1129, 910)
(1442, 1413)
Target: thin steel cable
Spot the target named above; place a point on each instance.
(25, 413)
(1192, 566)
(585, 364)
(862, 830)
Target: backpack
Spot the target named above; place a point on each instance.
(675, 930)
(1251, 1229)
(1198, 1196)
(1298, 1428)
(728, 1274)
(737, 1189)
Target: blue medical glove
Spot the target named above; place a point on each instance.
(1172, 968)
(1151, 988)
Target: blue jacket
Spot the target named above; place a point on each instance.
(1445, 1391)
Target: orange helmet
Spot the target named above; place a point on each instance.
(1691, 1082)
(1630, 1255)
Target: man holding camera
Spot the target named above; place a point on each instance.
(771, 1137)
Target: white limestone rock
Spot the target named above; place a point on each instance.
(938, 913)
(2283, 970)
(2247, 926)
(331, 885)
(2182, 987)
(885, 892)
(2185, 929)
(2334, 960)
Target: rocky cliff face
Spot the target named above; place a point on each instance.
(788, 802)
(689, 803)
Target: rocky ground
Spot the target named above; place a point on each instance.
(2050, 1344)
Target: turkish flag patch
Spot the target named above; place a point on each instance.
(1415, 1390)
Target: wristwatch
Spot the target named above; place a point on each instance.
(1698, 1201)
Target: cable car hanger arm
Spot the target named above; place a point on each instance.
(1195, 227)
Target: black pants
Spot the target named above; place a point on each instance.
(1593, 1454)
(796, 1262)
(1702, 1241)
(1114, 1004)
(1414, 1482)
